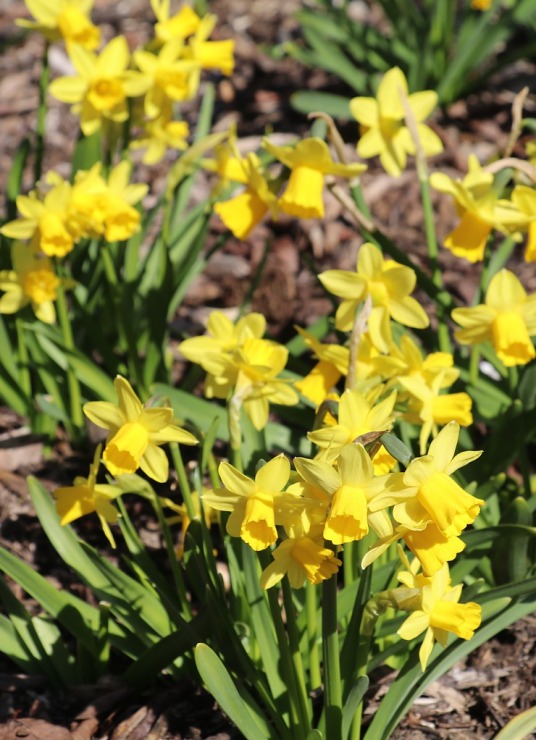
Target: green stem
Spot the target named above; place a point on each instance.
(474, 365)
(41, 116)
(172, 557)
(25, 379)
(315, 676)
(126, 334)
(234, 407)
(332, 668)
(75, 396)
(513, 382)
(433, 254)
(304, 706)
(184, 484)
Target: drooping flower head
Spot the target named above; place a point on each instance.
(309, 162)
(383, 128)
(507, 319)
(136, 433)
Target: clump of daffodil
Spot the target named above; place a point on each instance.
(244, 211)
(389, 285)
(437, 613)
(102, 85)
(434, 495)
(63, 19)
(32, 281)
(507, 318)
(480, 209)
(310, 161)
(256, 506)
(382, 119)
(136, 433)
(358, 497)
(87, 496)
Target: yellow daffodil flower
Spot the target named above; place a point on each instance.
(480, 210)
(63, 19)
(309, 163)
(428, 480)
(407, 361)
(300, 558)
(179, 26)
(31, 281)
(357, 496)
(159, 135)
(136, 433)
(243, 212)
(358, 415)
(389, 285)
(213, 352)
(172, 77)
(87, 496)
(524, 198)
(210, 54)
(507, 319)
(383, 130)
(45, 220)
(100, 90)
(332, 365)
(253, 503)
(481, 4)
(433, 408)
(439, 614)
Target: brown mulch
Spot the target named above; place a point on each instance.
(479, 695)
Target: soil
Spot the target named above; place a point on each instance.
(497, 681)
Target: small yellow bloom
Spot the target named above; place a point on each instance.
(102, 85)
(428, 481)
(387, 283)
(160, 134)
(66, 19)
(300, 558)
(439, 614)
(480, 210)
(136, 433)
(383, 129)
(87, 496)
(507, 319)
(179, 26)
(32, 281)
(210, 54)
(252, 503)
(309, 162)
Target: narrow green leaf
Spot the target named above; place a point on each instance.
(223, 689)
(307, 101)
(520, 727)
(353, 701)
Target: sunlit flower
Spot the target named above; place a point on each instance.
(309, 163)
(210, 54)
(480, 210)
(179, 26)
(300, 558)
(333, 364)
(136, 433)
(66, 19)
(428, 480)
(159, 135)
(524, 198)
(45, 220)
(252, 503)
(439, 614)
(383, 129)
(356, 494)
(102, 85)
(507, 319)
(214, 351)
(388, 284)
(407, 361)
(433, 408)
(31, 281)
(244, 211)
(87, 496)
(172, 78)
